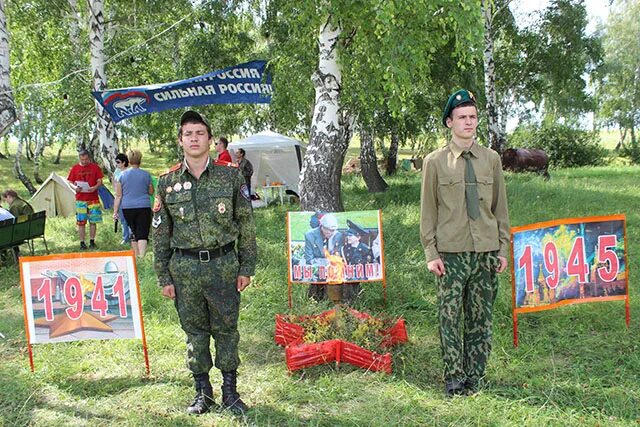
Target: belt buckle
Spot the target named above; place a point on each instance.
(204, 256)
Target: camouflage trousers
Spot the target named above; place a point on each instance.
(208, 303)
(468, 289)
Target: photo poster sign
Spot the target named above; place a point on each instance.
(335, 247)
(79, 296)
(568, 261)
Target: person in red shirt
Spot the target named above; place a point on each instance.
(221, 149)
(85, 178)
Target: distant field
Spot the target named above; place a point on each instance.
(156, 164)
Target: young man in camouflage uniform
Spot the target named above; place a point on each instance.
(464, 228)
(202, 216)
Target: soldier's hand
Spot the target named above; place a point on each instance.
(503, 264)
(242, 282)
(169, 291)
(436, 267)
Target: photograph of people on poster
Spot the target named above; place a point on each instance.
(338, 247)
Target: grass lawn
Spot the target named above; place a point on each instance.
(575, 366)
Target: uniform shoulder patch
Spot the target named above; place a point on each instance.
(157, 204)
(225, 163)
(172, 169)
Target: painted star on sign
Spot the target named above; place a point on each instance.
(61, 325)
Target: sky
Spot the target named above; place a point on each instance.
(597, 10)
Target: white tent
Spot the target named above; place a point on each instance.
(55, 196)
(275, 155)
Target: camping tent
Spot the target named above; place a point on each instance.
(55, 196)
(275, 155)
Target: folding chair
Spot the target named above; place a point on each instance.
(36, 229)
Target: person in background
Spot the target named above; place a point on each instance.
(245, 166)
(318, 242)
(17, 206)
(4, 253)
(132, 194)
(85, 178)
(122, 163)
(464, 229)
(221, 149)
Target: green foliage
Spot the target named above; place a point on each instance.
(399, 59)
(620, 86)
(344, 325)
(545, 62)
(632, 152)
(566, 146)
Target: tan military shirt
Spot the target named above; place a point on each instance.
(444, 224)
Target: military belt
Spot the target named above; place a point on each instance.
(206, 255)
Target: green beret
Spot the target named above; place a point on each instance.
(460, 97)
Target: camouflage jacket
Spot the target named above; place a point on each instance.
(206, 213)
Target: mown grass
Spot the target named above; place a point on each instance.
(575, 366)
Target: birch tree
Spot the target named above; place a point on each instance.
(8, 113)
(105, 130)
(381, 54)
(621, 90)
(369, 165)
(495, 135)
(7, 105)
(330, 128)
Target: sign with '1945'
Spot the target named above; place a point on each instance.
(569, 261)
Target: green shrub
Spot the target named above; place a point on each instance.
(566, 147)
(632, 152)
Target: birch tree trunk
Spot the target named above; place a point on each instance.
(75, 24)
(495, 136)
(18, 168)
(369, 165)
(105, 129)
(37, 157)
(330, 130)
(392, 155)
(7, 106)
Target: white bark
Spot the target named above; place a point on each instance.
(17, 167)
(495, 137)
(330, 129)
(105, 129)
(7, 105)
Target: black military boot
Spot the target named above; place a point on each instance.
(230, 397)
(204, 395)
(453, 387)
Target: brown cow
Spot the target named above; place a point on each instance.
(526, 160)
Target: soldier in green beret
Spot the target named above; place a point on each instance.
(464, 229)
(205, 254)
